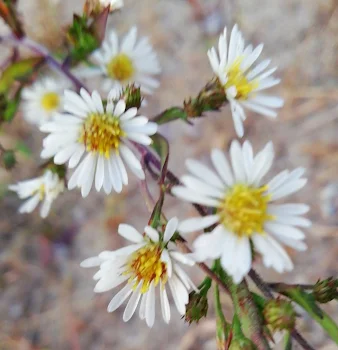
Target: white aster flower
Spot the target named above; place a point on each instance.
(244, 210)
(243, 83)
(43, 189)
(99, 134)
(130, 61)
(42, 100)
(147, 265)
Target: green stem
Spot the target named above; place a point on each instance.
(323, 319)
(246, 310)
(219, 312)
(223, 328)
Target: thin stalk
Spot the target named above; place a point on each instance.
(44, 52)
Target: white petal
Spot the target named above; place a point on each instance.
(106, 284)
(237, 161)
(165, 307)
(204, 173)
(198, 223)
(91, 262)
(210, 245)
(120, 108)
(150, 305)
(132, 304)
(242, 259)
(30, 204)
(288, 188)
(99, 174)
(170, 229)
(128, 114)
(293, 220)
(222, 166)
(88, 174)
(182, 258)
(75, 158)
(142, 311)
(165, 257)
(119, 298)
(288, 209)
(193, 197)
(260, 109)
(130, 233)
(201, 187)
(262, 164)
(151, 233)
(96, 98)
(179, 294)
(284, 230)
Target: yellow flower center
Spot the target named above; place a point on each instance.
(237, 78)
(146, 265)
(50, 101)
(101, 133)
(121, 67)
(244, 210)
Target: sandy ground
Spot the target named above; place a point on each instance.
(47, 300)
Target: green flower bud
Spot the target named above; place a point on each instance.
(196, 308)
(132, 95)
(242, 344)
(326, 290)
(279, 314)
(8, 159)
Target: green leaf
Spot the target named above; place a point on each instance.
(171, 114)
(84, 37)
(306, 300)
(308, 303)
(161, 147)
(18, 70)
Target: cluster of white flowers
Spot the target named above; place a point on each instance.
(97, 141)
(41, 189)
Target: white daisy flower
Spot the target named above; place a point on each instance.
(243, 83)
(130, 61)
(42, 100)
(244, 210)
(148, 264)
(43, 189)
(99, 134)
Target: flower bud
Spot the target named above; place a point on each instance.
(241, 344)
(211, 98)
(196, 308)
(8, 159)
(132, 95)
(279, 314)
(94, 7)
(326, 290)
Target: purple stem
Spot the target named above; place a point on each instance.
(44, 52)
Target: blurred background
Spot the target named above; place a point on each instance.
(47, 300)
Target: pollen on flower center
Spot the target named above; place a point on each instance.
(121, 67)
(146, 265)
(50, 101)
(244, 210)
(101, 133)
(236, 77)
